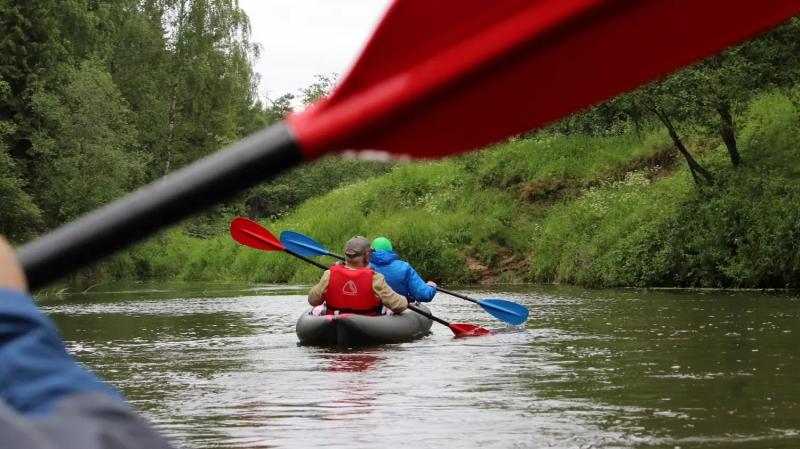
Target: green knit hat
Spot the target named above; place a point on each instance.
(382, 243)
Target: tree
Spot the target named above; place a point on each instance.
(209, 83)
(20, 218)
(656, 100)
(279, 108)
(100, 96)
(30, 45)
(84, 144)
(322, 87)
(719, 88)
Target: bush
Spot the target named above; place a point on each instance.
(594, 211)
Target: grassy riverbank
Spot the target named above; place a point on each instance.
(596, 211)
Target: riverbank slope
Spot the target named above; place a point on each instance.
(618, 210)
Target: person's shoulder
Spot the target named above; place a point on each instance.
(400, 261)
(404, 264)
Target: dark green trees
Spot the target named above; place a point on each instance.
(100, 96)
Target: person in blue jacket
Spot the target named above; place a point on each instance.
(47, 399)
(398, 273)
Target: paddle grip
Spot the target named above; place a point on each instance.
(161, 203)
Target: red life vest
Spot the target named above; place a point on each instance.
(351, 291)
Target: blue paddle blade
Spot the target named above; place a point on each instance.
(299, 243)
(503, 310)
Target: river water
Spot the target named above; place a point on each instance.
(218, 366)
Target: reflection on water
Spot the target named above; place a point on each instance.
(351, 362)
(219, 366)
(353, 400)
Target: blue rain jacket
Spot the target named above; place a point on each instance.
(48, 400)
(401, 276)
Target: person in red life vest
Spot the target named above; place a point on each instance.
(353, 287)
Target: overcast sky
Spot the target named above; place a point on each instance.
(302, 38)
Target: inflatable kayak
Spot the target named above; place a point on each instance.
(346, 329)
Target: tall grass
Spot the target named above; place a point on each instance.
(739, 232)
(579, 210)
(438, 214)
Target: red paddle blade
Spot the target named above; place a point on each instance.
(468, 330)
(252, 234)
(446, 76)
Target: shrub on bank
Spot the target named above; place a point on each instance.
(596, 211)
(738, 232)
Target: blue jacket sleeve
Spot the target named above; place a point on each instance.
(417, 287)
(36, 371)
(47, 400)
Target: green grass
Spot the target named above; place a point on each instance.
(594, 211)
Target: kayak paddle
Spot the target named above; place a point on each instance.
(503, 310)
(436, 78)
(252, 234)
(459, 329)
(249, 233)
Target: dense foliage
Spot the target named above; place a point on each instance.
(689, 181)
(98, 97)
(598, 211)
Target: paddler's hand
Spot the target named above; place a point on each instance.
(431, 283)
(11, 274)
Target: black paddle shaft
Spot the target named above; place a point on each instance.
(311, 261)
(458, 295)
(182, 193)
(426, 314)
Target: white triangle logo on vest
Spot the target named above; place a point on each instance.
(350, 289)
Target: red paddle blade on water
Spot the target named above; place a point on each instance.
(252, 234)
(446, 76)
(468, 330)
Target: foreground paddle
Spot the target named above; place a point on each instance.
(503, 310)
(436, 78)
(252, 234)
